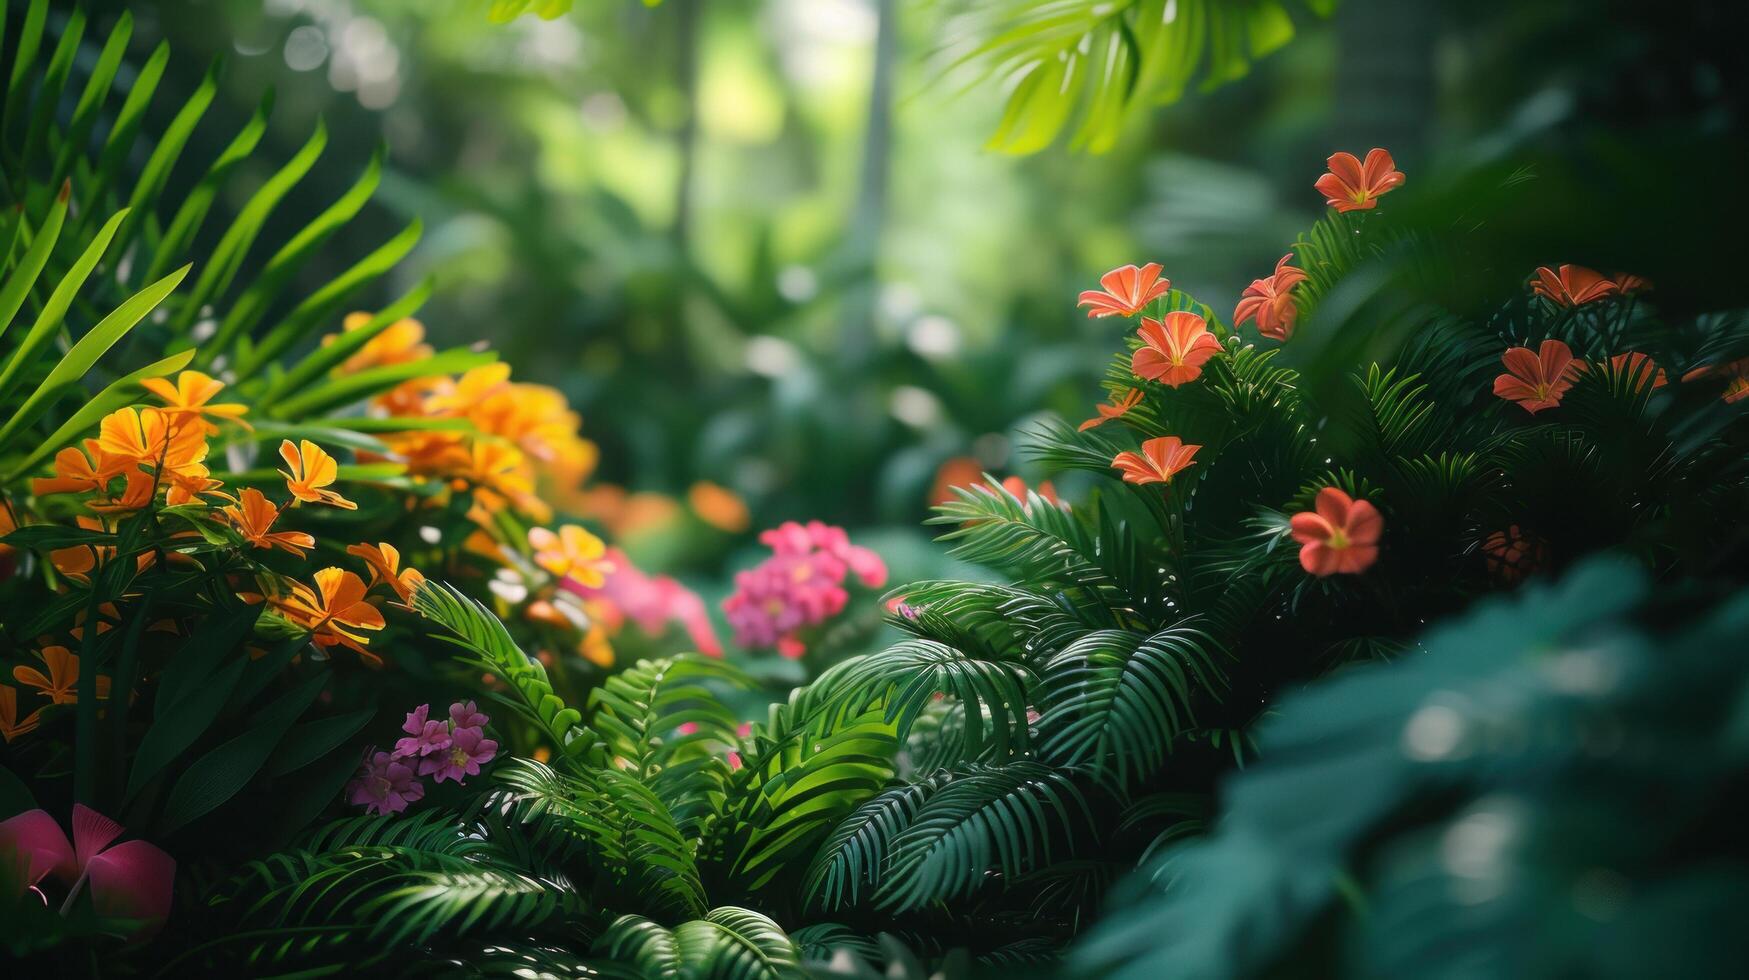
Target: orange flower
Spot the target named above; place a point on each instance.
(398, 343)
(1735, 373)
(12, 726)
(312, 469)
(148, 436)
(187, 484)
(1574, 285)
(1271, 302)
(61, 685)
(74, 473)
(1639, 369)
(254, 514)
(1017, 487)
(1537, 380)
(77, 561)
(1512, 554)
(470, 390)
(596, 648)
(1341, 536)
(1128, 291)
(1119, 407)
(1159, 460)
(1173, 352)
(955, 471)
(1353, 186)
(572, 553)
(719, 507)
(334, 612)
(1629, 283)
(385, 568)
(500, 473)
(188, 399)
(135, 496)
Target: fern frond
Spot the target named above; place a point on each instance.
(1115, 700)
(476, 629)
(1010, 819)
(632, 840)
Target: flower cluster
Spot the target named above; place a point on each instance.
(652, 602)
(516, 430)
(453, 749)
(799, 586)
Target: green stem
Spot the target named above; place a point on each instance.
(85, 722)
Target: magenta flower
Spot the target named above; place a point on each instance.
(132, 880)
(384, 784)
(800, 585)
(425, 737)
(468, 750)
(466, 715)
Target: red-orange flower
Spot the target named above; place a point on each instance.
(253, 516)
(312, 469)
(957, 471)
(1017, 487)
(1159, 460)
(1537, 380)
(1573, 285)
(1339, 536)
(1173, 352)
(1627, 282)
(1354, 186)
(1639, 369)
(1735, 373)
(1128, 291)
(1512, 554)
(385, 568)
(1271, 302)
(1119, 407)
(335, 612)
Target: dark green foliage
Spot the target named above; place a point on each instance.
(1547, 788)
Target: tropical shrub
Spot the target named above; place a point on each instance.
(204, 642)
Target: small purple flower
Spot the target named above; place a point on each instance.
(468, 750)
(384, 785)
(466, 715)
(425, 737)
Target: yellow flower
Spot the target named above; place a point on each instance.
(572, 553)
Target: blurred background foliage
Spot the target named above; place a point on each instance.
(786, 246)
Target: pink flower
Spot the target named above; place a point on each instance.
(132, 880)
(800, 585)
(384, 785)
(424, 737)
(466, 715)
(653, 602)
(745, 729)
(468, 751)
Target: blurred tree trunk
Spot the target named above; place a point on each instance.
(686, 79)
(868, 219)
(1384, 76)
